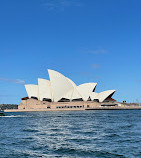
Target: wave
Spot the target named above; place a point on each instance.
(16, 116)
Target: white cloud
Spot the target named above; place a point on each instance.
(17, 81)
(84, 73)
(96, 66)
(61, 4)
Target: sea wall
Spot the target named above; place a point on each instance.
(36, 105)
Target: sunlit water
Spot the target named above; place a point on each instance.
(104, 134)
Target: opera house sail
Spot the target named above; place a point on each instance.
(61, 93)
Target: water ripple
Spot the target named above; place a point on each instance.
(71, 134)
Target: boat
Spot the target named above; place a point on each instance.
(2, 113)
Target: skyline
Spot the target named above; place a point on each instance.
(87, 41)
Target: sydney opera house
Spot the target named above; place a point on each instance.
(61, 93)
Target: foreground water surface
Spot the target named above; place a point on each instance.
(101, 133)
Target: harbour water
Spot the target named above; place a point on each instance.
(71, 134)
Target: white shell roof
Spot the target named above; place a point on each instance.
(73, 84)
(73, 93)
(86, 89)
(60, 84)
(105, 94)
(32, 90)
(68, 95)
(94, 95)
(44, 89)
(76, 94)
(60, 87)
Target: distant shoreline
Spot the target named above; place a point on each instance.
(8, 106)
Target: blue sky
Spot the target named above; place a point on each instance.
(86, 40)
